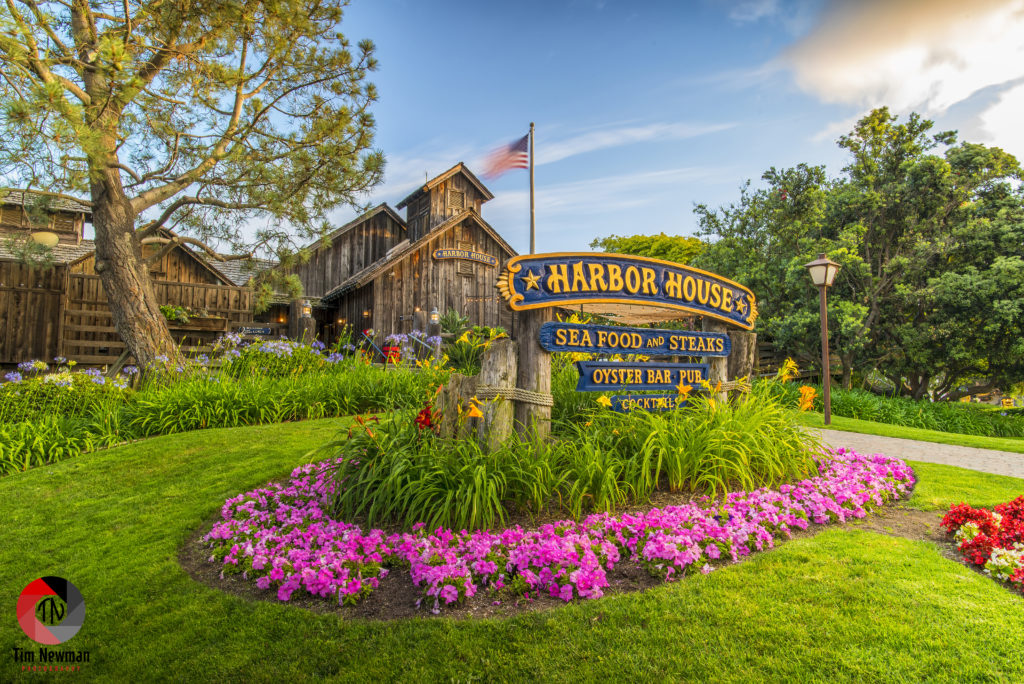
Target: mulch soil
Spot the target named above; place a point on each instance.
(396, 597)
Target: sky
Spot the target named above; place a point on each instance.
(644, 108)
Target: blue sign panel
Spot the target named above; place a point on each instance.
(247, 330)
(604, 376)
(611, 339)
(468, 255)
(534, 281)
(624, 403)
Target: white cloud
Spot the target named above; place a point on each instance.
(552, 151)
(754, 10)
(928, 54)
(1003, 121)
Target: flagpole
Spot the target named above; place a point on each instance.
(533, 214)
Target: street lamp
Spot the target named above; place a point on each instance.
(823, 273)
(435, 317)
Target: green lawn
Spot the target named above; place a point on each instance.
(846, 604)
(868, 427)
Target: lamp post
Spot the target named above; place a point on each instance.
(823, 273)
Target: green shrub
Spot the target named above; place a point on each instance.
(944, 416)
(49, 439)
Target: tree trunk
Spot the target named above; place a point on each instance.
(846, 360)
(124, 274)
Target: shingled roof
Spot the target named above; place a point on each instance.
(62, 253)
(57, 201)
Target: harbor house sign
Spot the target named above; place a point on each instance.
(535, 281)
(616, 284)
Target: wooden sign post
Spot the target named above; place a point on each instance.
(617, 285)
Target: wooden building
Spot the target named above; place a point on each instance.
(56, 305)
(384, 273)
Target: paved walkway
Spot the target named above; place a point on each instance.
(985, 460)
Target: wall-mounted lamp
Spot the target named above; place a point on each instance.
(45, 238)
(366, 314)
(435, 317)
(307, 309)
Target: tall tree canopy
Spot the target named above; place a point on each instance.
(931, 245)
(199, 116)
(675, 248)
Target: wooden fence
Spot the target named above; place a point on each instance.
(89, 335)
(45, 313)
(31, 311)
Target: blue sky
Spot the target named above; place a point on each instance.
(645, 108)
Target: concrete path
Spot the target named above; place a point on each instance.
(985, 460)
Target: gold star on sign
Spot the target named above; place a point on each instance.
(741, 306)
(531, 280)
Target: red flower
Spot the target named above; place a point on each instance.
(425, 418)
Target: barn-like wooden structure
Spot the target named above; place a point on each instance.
(379, 271)
(387, 274)
(57, 307)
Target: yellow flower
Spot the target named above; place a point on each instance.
(787, 371)
(604, 401)
(474, 412)
(684, 389)
(465, 337)
(807, 394)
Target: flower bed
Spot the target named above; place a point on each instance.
(280, 537)
(993, 540)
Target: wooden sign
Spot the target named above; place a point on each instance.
(603, 376)
(534, 281)
(465, 254)
(624, 403)
(611, 339)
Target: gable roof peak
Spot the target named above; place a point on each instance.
(437, 180)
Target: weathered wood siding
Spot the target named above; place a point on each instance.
(430, 209)
(421, 281)
(349, 253)
(176, 266)
(31, 311)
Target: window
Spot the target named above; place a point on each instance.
(465, 267)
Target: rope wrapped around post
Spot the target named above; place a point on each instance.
(485, 392)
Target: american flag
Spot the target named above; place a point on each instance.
(512, 156)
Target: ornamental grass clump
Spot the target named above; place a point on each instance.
(283, 537)
(707, 445)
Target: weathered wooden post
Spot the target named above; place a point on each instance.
(495, 385)
(533, 415)
(717, 365)
(743, 356)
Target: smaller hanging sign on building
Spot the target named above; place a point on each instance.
(605, 376)
(465, 254)
(612, 339)
(624, 403)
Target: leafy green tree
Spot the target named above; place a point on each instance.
(203, 117)
(905, 223)
(676, 248)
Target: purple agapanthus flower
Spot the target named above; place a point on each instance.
(13, 376)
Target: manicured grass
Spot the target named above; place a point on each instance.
(843, 605)
(938, 486)
(868, 427)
